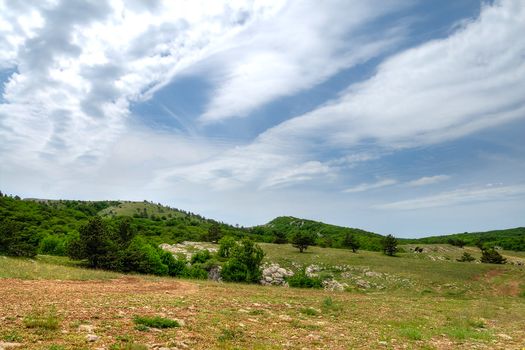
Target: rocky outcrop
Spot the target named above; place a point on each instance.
(275, 275)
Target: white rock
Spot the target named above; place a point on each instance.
(92, 338)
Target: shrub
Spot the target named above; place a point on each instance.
(15, 240)
(389, 245)
(52, 245)
(155, 322)
(201, 256)
(176, 267)
(244, 263)
(227, 243)
(466, 257)
(491, 256)
(196, 271)
(143, 258)
(301, 280)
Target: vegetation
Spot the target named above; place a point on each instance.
(466, 257)
(389, 245)
(440, 305)
(350, 242)
(510, 239)
(155, 322)
(244, 261)
(491, 256)
(301, 280)
(301, 240)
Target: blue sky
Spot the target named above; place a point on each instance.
(403, 117)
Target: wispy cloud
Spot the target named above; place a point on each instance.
(462, 196)
(78, 65)
(371, 186)
(299, 47)
(428, 180)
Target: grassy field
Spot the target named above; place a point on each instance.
(414, 302)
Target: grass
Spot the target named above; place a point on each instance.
(448, 305)
(42, 320)
(47, 267)
(155, 322)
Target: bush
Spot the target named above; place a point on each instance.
(52, 245)
(15, 240)
(155, 322)
(389, 245)
(227, 243)
(491, 256)
(244, 263)
(196, 271)
(176, 267)
(143, 258)
(201, 256)
(301, 280)
(466, 257)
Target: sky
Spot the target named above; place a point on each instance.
(404, 117)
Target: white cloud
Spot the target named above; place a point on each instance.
(371, 186)
(458, 197)
(299, 47)
(440, 90)
(428, 180)
(79, 64)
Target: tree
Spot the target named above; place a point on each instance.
(350, 242)
(279, 237)
(389, 245)
(466, 257)
(214, 233)
(15, 240)
(244, 263)
(301, 240)
(491, 256)
(227, 243)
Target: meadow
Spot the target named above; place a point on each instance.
(413, 301)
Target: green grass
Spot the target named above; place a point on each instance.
(155, 322)
(412, 333)
(49, 268)
(42, 320)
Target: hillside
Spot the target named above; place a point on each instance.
(53, 221)
(327, 235)
(511, 239)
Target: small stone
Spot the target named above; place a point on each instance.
(7, 345)
(504, 336)
(86, 328)
(92, 338)
(382, 342)
(285, 317)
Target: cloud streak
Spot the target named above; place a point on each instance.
(458, 197)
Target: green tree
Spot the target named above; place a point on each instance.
(389, 245)
(279, 237)
(15, 240)
(214, 233)
(350, 242)
(301, 240)
(466, 257)
(492, 256)
(244, 263)
(226, 245)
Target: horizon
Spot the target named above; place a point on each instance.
(405, 118)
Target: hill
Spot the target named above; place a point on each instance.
(511, 239)
(327, 235)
